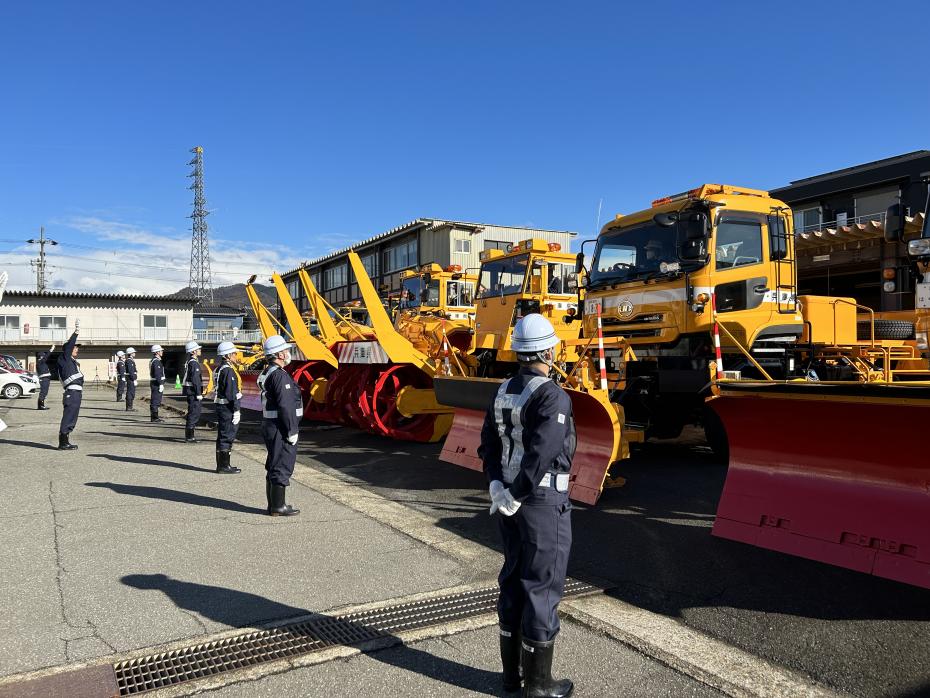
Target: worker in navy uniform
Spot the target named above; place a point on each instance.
(192, 389)
(44, 374)
(120, 375)
(527, 444)
(132, 378)
(282, 410)
(226, 382)
(72, 381)
(156, 382)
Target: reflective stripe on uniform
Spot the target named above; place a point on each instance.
(270, 414)
(512, 446)
(45, 375)
(75, 387)
(72, 378)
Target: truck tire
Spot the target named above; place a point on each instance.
(716, 435)
(885, 329)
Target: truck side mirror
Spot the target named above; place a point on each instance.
(894, 223)
(579, 262)
(693, 250)
(693, 225)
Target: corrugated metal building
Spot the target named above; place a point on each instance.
(409, 246)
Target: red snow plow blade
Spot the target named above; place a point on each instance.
(598, 427)
(835, 473)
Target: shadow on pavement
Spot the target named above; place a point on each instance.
(177, 496)
(30, 444)
(126, 435)
(239, 609)
(151, 461)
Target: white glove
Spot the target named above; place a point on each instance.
(135, 383)
(200, 397)
(161, 388)
(509, 505)
(77, 325)
(236, 416)
(496, 489)
(292, 439)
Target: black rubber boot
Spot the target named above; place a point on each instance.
(222, 464)
(537, 672)
(268, 494)
(155, 417)
(130, 408)
(42, 405)
(510, 659)
(189, 436)
(278, 507)
(64, 444)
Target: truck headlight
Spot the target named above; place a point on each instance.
(919, 247)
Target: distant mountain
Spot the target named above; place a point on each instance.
(234, 295)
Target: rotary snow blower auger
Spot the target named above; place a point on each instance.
(535, 276)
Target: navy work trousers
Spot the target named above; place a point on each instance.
(71, 403)
(282, 456)
(193, 411)
(225, 429)
(537, 543)
(130, 392)
(120, 388)
(43, 388)
(154, 398)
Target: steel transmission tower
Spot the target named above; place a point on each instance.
(201, 282)
(39, 264)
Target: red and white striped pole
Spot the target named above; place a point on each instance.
(600, 349)
(713, 309)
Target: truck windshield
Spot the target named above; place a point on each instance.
(502, 277)
(417, 292)
(631, 253)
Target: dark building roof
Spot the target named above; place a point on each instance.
(908, 166)
(113, 297)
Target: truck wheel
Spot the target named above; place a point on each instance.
(885, 329)
(12, 391)
(716, 435)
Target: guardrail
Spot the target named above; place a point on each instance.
(217, 336)
(864, 218)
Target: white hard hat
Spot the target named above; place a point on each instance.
(191, 346)
(130, 350)
(120, 354)
(274, 344)
(156, 348)
(533, 333)
(226, 348)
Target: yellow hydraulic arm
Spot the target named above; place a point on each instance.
(266, 322)
(398, 349)
(324, 321)
(311, 347)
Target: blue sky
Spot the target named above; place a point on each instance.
(326, 123)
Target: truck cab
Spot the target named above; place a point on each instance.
(532, 276)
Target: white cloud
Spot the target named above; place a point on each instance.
(113, 256)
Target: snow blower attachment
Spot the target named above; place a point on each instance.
(850, 487)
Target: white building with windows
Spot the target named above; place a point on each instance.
(31, 321)
(409, 246)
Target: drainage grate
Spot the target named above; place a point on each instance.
(257, 647)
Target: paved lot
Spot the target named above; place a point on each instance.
(133, 541)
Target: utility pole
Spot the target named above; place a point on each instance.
(39, 264)
(201, 281)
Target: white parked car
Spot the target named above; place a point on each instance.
(14, 385)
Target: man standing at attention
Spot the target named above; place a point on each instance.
(120, 375)
(192, 389)
(227, 382)
(282, 409)
(527, 444)
(72, 380)
(132, 378)
(156, 382)
(45, 375)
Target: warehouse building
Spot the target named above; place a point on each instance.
(839, 221)
(410, 246)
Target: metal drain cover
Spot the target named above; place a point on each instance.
(260, 646)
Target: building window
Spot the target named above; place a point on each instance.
(9, 328)
(53, 327)
(155, 328)
(463, 246)
(401, 256)
(293, 288)
(315, 280)
(807, 219)
(334, 277)
(370, 262)
(496, 245)
(738, 242)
